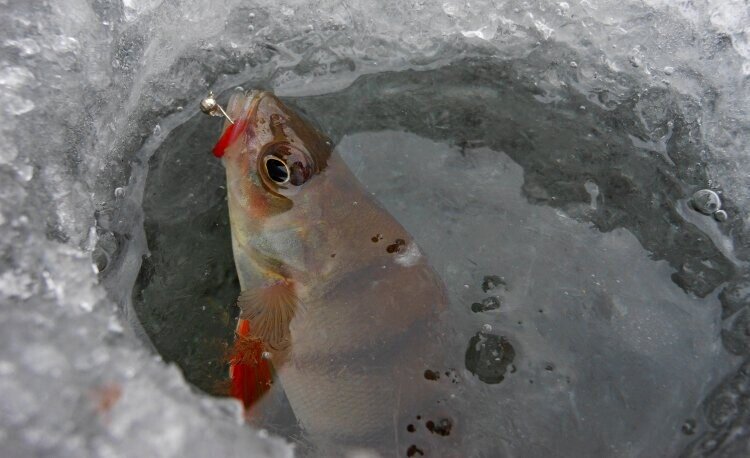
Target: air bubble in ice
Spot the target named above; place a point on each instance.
(593, 191)
(25, 172)
(706, 201)
(688, 428)
(451, 9)
(105, 249)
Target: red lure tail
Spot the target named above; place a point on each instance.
(230, 136)
(250, 373)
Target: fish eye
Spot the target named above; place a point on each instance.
(283, 168)
(277, 170)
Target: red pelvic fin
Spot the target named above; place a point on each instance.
(250, 373)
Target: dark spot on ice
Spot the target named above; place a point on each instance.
(432, 375)
(531, 382)
(549, 367)
(376, 238)
(442, 428)
(541, 311)
(411, 428)
(688, 427)
(513, 369)
(333, 255)
(491, 282)
(419, 417)
(396, 246)
(413, 450)
(488, 357)
(453, 375)
(490, 303)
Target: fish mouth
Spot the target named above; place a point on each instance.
(243, 110)
(254, 94)
(244, 105)
(255, 97)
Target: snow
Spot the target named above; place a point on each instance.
(90, 90)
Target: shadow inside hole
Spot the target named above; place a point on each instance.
(186, 288)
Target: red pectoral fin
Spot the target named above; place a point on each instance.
(250, 373)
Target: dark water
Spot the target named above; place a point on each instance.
(593, 312)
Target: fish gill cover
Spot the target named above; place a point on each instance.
(649, 100)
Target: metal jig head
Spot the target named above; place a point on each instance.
(211, 107)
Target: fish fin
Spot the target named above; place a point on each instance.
(250, 373)
(269, 310)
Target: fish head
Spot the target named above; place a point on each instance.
(275, 164)
(276, 150)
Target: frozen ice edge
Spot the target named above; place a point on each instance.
(84, 385)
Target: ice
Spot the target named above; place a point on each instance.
(567, 288)
(597, 160)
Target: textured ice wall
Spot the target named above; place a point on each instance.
(87, 88)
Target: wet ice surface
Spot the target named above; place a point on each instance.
(605, 117)
(611, 356)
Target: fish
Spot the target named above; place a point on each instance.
(337, 300)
